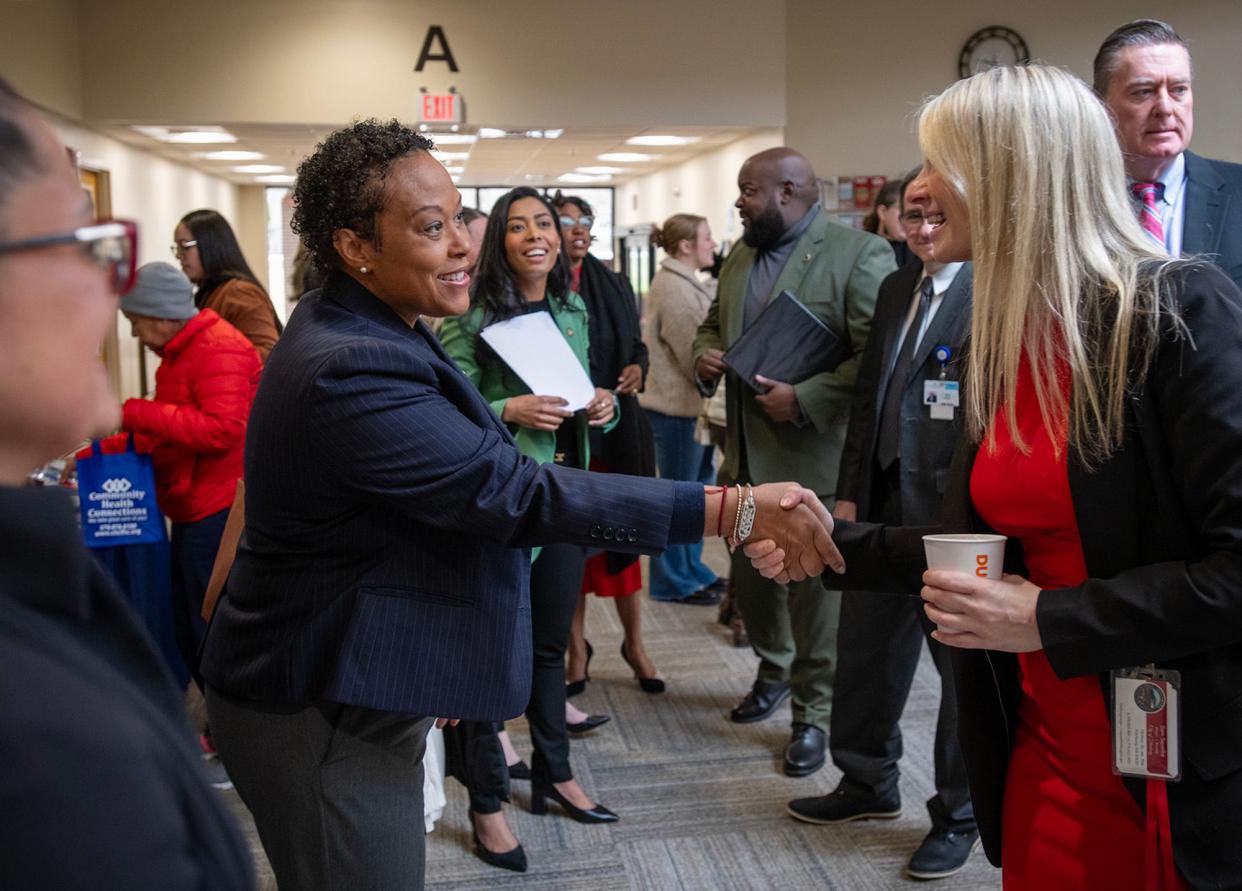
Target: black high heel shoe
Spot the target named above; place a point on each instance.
(542, 790)
(648, 685)
(514, 860)
(573, 688)
(519, 770)
(589, 724)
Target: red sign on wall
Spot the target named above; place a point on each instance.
(440, 108)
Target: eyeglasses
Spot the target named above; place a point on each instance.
(568, 222)
(112, 244)
(912, 218)
(179, 248)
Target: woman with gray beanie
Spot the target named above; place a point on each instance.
(194, 428)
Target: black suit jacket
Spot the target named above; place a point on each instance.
(388, 513)
(1213, 213)
(927, 445)
(102, 782)
(1161, 529)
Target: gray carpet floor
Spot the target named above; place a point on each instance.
(702, 800)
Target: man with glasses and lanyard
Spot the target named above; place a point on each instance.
(904, 426)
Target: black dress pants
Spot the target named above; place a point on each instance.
(879, 643)
(555, 580)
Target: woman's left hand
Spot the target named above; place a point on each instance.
(630, 381)
(987, 614)
(599, 411)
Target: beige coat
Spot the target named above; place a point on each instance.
(676, 305)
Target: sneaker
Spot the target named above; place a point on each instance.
(942, 854)
(843, 805)
(217, 775)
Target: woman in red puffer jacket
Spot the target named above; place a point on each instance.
(194, 428)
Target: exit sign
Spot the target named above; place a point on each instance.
(440, 108)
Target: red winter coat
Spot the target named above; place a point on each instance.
(195, 427)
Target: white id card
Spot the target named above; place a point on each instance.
(942, 393)
(1147, 723)
(941, 398)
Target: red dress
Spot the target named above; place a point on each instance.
(1068, 821)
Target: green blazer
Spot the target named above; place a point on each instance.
(498, 383)
(836, 271)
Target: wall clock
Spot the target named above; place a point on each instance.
(991, 47)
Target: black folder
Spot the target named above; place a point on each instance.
(787, 343)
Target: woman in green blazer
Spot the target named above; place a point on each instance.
(522, 270)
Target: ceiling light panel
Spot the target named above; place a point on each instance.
(258, 168)
(230, 155)
(452, 138)
(189, 135)
(276, 179)
(661, 139)
(598, 170)
(627, 157)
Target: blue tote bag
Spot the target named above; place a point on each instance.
(117, 498)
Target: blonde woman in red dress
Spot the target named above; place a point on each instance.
(1103, 400)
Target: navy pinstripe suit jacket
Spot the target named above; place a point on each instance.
(388, 514)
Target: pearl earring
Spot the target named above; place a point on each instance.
(363, 270)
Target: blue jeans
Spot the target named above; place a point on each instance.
(679, 571)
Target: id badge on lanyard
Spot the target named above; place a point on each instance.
(1147, 728)
(942, 396)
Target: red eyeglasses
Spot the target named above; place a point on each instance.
(112, 244)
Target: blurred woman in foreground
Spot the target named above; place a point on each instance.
(102, 785)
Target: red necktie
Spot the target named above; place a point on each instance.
(1149, 214)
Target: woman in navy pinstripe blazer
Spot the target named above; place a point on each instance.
(382, 576)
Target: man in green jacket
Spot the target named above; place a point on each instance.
(793, 431)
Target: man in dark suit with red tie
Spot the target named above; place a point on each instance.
(1191, 205)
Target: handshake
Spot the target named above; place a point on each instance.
(790, 530)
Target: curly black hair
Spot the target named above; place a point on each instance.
(341, 185)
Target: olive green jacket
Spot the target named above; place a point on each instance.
(836, 271)
(497, 382)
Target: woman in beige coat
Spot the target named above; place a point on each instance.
(676, 304)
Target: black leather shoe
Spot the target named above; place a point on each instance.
(591, 722)
(942, 854)
(705, 597)
(844, 805)
(542, 790)
(514, 860)
(720, 586)
(519, 771)
(761, 701)
(573, 688)
(805, 753)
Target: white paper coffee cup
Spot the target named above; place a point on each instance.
(969, 552)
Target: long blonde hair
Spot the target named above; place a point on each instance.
(1062, 269)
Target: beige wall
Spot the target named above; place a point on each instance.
(250, 224)
(39, 52)
(637, 62)
(156, 193)
(706, 185)
(857, 72)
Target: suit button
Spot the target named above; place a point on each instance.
(569, 332)
(608, 533)
(596, 531)
(633, 536)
